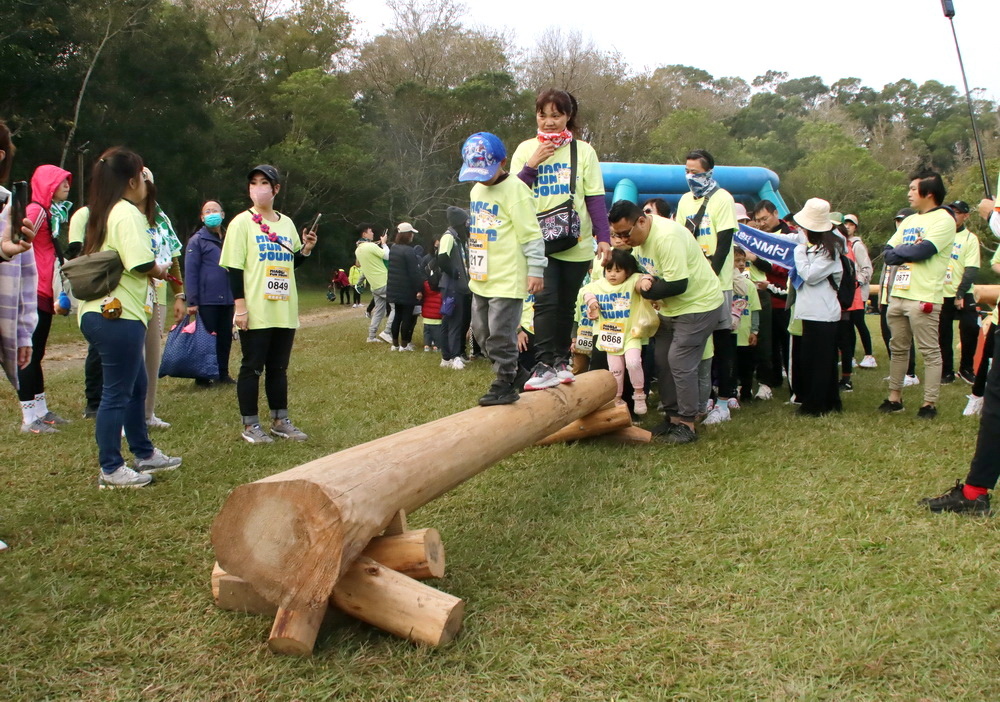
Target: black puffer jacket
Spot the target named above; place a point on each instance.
(406, 278)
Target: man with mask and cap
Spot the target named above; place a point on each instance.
(709, 213)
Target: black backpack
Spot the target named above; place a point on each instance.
(848, 283)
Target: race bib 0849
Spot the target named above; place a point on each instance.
(277, 283)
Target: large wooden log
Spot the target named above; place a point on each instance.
(292, 535)
(603, 421)
(398, 604)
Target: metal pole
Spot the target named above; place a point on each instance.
(972, 112)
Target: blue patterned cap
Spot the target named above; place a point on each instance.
(482, 154)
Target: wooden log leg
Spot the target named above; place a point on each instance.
(295, 630)
(418, 554)
(397, 525)
(236, 595)
(631, 435)
(398, 604)
(604, 420)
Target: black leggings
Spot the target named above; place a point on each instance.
(724, 361)
(30, 379)
(819, 391)
(968, 333)
(345, 295)
(846, 341)
(985, 467)
(555, 306)
(403, 324)
(218, 319)
(979, 387)
(858, 319)
(265, 352)
(357, 295)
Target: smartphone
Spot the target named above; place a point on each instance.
(19, 199)
(315, 223)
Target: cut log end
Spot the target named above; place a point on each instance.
(294, 631)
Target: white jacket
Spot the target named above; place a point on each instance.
(816, 299)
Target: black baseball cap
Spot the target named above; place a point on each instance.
(270, 172)
(904, 213)
(960, 206)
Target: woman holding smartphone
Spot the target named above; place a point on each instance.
(116, 324)
(261, 251)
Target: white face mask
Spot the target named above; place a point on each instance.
(262, 195)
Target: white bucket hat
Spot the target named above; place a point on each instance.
(814, 215)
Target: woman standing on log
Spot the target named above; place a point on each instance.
(565, 175)
(261, 250)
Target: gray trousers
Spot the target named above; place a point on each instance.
(378, 312)
(680, 344)
(494, 322)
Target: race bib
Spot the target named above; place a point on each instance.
(150, 299)
(947, 276)
(277, 283)
(902, 279)
(585, 339)
(478, 256)
(611, 337)
(563, 176)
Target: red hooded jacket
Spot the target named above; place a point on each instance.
(430, 306)
(44, 183)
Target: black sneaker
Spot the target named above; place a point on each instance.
(679, 434)
(890, 407)
(947, 378)
(845, 385)
(927, 412)
(955, 501)
(500, 393)
(968, 376)
(520, 379)
(664, 427)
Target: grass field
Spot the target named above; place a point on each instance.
(776, 558)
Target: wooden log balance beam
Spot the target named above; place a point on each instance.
(603, 421)
(294, 534)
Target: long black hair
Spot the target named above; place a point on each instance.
(828, 241)
(109, 181)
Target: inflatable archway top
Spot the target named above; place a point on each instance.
(640, 181)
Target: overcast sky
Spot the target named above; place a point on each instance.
(878, 41)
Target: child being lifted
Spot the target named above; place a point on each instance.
(611, 303)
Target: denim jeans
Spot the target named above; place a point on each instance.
(123, 397)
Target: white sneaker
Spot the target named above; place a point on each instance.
(155, 422)
(974, 408)
(718, 415)
(375, 340)
(639, 403)
(910, 381)
(408, 347)
(123, 477)
(734, 403)
(868, 362)
(3, 546)
(764, 392)
(457, 364)
(446, 364)
(386, 337)
(394, 348)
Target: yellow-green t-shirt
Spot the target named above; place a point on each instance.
(964, 254)
(551, 188)
(501, 219)
(354, 277)
(268, 269)
(720, 215)
(371, 258)
(618, 303)
(753, 305)
(127, 232)
(924, 280)
(78, 225)
(671, 253)
(528, 314)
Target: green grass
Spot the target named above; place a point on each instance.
(778, 557)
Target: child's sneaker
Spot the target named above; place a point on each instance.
(974, 407)
(427, 349)
(254, 434)
(868, 362)
(286, 430)
(500, 393)
(764, 392)
(733, 403)
(639, 403)
(718, 415)
(123, 477)
(159, 461)
(542, 376)
(457, 363)
(52, 419)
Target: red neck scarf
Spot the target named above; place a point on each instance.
(557, 139)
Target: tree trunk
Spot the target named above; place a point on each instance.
(292, 535)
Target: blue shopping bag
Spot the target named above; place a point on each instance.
(190, 352)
